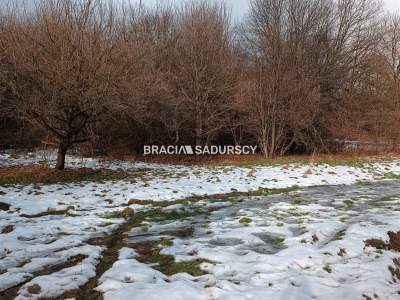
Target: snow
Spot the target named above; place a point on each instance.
(241, 271)
(275, 256)
(131, 280)
(67, 279)
(12, 158)
(177, 290)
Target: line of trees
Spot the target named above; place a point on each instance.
(293, 76)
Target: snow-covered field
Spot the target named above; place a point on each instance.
(227, 226)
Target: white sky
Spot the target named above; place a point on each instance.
(239, 7)
(392, 5)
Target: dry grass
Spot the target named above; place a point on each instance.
(256, 159)
(45, 175)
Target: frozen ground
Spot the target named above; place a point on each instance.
(202, 233)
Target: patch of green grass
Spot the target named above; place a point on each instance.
(166, 242)
(296, 213)
(276, 240)
(162, 203)
(395, 271)
(155, 214)
(305, 160)
(21, 176)
(231, 196)
(178, 214)
(387, 198)
(327, 268)
(160, 261)
(236, 194)
(391, 175)
(315, 238)
(268, 192)
(149, 253)
(245, 220)
(339, 235)
(191, 267)
(297, 200)
(349, 203)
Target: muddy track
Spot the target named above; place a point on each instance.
(113, 243)
(12, 292)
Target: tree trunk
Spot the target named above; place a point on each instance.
(62, 151)
(198, 125)
(264, 147)
(199, 133)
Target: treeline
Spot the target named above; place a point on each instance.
(293, 76)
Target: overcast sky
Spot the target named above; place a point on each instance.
(239, 7)
(392, 4)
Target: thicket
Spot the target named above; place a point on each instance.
(293, 76)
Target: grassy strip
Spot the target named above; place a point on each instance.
(391, 175)
(12, 292)
(149, 253)
(231, 196)
(44, 175)
(331, 160)
(38, 175)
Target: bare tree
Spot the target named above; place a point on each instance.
(186, 70)
(307, 56)
(284, 94)
(202, 68)
(67, 68)
(390, 44)
(303, 73)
